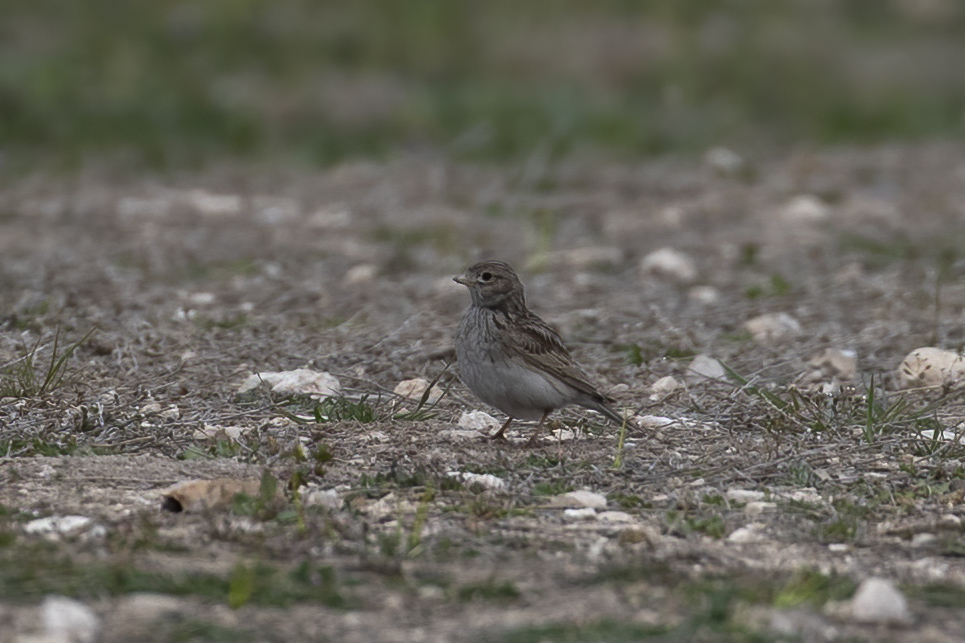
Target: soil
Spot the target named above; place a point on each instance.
(192, 283)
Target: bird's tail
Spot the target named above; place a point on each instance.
(613, 415)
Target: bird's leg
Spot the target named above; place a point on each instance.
(532, 438)
(499, 435)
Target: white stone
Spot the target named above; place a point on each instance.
(950, 522)
(839, 548)
(273, 210)
(773, 327)
(618, 517)
(200, 298)
(705, 366)
(724, 161)
(214, 205)
(670, 264)
(663, 387)
(574, 515)
(479, 481)
(744, 495)
(216, 431)
(806, 208)
(478, 421)
(151, 408)
(879, 601)
(328, 498)
(836, 362)
(807, 495)
(58, 525)
(704, 294)
(654, 421)
(931, 367)
(301, 381)
(751, 533)
(581, 498)
(363, 273)
(68, 620)
(335, 217)
(756, 508)
(923, 539)
(415, 388)
(171, 413)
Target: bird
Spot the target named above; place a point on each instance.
(513, 360)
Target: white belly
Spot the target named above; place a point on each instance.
(511, 387)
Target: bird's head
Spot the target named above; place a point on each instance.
(492, 284)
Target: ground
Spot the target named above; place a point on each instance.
(132, 309)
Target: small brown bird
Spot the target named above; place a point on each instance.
(513, 360)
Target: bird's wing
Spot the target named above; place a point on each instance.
(540, 346)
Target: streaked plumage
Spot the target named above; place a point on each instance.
(513, 360)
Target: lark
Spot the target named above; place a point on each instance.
(513, 360)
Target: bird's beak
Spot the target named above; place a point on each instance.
(462, 279)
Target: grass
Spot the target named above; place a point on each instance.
(28, 378)
(166, 85)
(34, 570)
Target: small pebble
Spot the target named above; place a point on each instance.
(879, 601)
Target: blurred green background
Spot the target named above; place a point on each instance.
(165, 83)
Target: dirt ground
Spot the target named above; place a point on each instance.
(751, 512)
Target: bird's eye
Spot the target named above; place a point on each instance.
(486, 276)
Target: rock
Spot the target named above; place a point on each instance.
(773, 327)
(589, 257)
(151, 408)
(213, 205)
(669, 264)
(197, 496)
(756, 508)
(479, 481)
(415, 388)
(300, 381)
(724, 161)
(328, 498)
(923, 539)
(363, 273)
(216, 432)
(752, 533)
(56, 526)
(704, 294)
(932, 367)
(808, 495)
(274, 210)
(582, 498)
(744, 495)
(171, 413)
(614, 517)
(663, 388)
(639, 534)
(574, 515)
(879, 601)
(806, 208)
(68, 620)
(705, 366)
(654, 421)
(478, 421)
(833, 363)
(950, 522)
